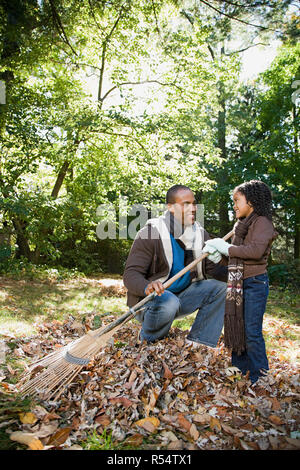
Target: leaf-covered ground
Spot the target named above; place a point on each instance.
(160, 396)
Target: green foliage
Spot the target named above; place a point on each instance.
(125, 99)
(285, 275)
(24, 269)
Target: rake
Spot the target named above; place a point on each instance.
(52, 374)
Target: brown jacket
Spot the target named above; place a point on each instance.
(256, 247)
(147, 262)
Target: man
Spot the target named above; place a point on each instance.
(161, 249)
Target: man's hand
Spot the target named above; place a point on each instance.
(156, 286)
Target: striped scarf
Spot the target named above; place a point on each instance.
(234, 330)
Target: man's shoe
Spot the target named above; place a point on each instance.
(193, 344)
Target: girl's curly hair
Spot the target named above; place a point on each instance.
(259, 195)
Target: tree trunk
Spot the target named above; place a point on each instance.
(297, 235)
(22, 241)
(222, 177)
(297, 211)
(60, 179)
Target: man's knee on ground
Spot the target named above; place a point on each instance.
(168, 302)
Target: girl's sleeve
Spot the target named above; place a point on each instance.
(262, 233)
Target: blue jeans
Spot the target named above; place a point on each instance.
(207, 296)
(254, 359)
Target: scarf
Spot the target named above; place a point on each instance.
(190, 238)
(178, 231)
(234, 330)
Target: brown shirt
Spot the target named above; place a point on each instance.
(256, 247)
(147, 262)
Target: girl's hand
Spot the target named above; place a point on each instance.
(214, 255)
(218, 244)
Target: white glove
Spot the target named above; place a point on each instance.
(219, 244)
(214, 255)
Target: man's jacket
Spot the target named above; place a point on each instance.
(150, 259)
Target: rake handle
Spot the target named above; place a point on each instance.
(134, 310)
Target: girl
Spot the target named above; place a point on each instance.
(248, 284)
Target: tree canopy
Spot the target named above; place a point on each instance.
(107, 100)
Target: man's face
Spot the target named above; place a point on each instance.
(184, 207)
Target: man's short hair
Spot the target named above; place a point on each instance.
(171, 193)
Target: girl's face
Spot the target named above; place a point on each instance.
(241, 207)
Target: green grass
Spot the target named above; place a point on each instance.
(284, 304)
(25, 302)
(105, 441)
(97, 441)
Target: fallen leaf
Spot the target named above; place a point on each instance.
(103, 420)
(229, 430)
(167, 372)
(27, 418)
(275, 404)
(293, 442)
(28, 439)
(194, 432)
(135, 440)
(46, 430)
(176, 445)
(274, 441)
(275, 420)
(149, 424)
(169, 435)
(202, 418)
(123, 400)
(183, 422)
(215, 424)
(58, 438)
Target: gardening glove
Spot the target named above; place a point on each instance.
(219, 244)
(214, 255)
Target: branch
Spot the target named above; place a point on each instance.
(211, 51)
(105, 43)
(260, 4)
(119, 134)
(93, 15)
(237, 19)
(155, 16)
(76, 64)
(59, 26)
(139, 83)
(246, 48)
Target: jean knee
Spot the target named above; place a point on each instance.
(169, 302)
(219, 288)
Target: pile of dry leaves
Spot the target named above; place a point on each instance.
(166, 394)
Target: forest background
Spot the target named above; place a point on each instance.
(103, 101)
